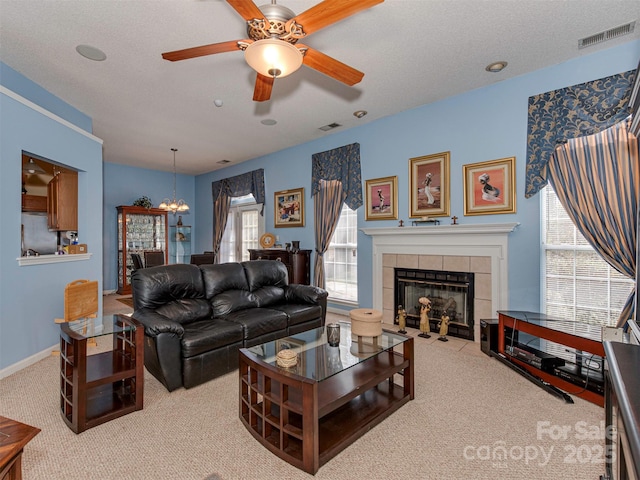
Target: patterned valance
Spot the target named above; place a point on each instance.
(571, 112)
(243, 184)
(342, 164)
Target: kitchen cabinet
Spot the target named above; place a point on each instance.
(34, 203)
(62, 202)
(139, 229)
(179, 243)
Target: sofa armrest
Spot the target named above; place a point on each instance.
(155, 323)
(297, 293)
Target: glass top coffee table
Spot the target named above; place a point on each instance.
(309, 412)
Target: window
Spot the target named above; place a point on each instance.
(340, 259)
(244, 227)
(578, 284)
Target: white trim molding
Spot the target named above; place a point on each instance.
(42, 259)
(479, 240)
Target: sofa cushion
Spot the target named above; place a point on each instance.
(299, 313)
(260, 273)
(268, 295)
(258, 321)
(186, 310)
(205, 335)
(231, 301)
(176, 291)
(222, 277)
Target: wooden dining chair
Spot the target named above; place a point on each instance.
(153, 259)
(201, 258)
(137, 261)
(80, 302)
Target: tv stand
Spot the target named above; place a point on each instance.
(575, 335)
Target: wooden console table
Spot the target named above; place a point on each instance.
(298, 263)
(14, 436)
(575, 335)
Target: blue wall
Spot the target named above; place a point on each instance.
(481, 125)
(32, 296)
(124, 185)
(484, 124)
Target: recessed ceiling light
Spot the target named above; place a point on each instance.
(496, 67)
(92, 53)
(268, 121)
(359, 113)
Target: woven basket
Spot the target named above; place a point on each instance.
(286, 358)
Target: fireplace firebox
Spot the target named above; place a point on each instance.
(451, 293)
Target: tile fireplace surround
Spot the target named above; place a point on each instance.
(482, 249)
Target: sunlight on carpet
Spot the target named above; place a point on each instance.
(128, 301)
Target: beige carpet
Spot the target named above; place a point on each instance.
(468, 406)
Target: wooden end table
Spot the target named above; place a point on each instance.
(100, 387)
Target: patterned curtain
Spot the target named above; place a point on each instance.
(335, 179)
(342, 164)
(597, 181)
(576, 111)
(220, 215)
(223, 190)
(327, 207)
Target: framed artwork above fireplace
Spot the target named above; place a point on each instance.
(429, 185)
(490, 187)
(382, 199)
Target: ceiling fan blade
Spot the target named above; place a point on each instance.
(247, 9)
(330, 66)
(262, 91)
(203, 50)
(330, 11)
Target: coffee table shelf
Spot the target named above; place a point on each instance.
(306, 421)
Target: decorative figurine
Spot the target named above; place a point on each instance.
(402, 319)
(424, 317)
(454, 220)
(401, 223)
(443, 324)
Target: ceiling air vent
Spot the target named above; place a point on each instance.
(223, 162)
(331, 126)
(608, 35)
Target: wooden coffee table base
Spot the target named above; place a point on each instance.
(306, 422)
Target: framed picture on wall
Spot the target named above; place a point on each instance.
(382, 199)
(429, 185)
(490, 187)
(289, 208)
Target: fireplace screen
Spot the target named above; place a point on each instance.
(451, 293)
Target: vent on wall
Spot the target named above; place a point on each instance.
(608, 35)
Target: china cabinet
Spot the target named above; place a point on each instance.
(139, 229)
(179, 244)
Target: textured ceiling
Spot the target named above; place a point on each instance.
(413, 52)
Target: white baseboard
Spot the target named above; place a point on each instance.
(338, 311)
(108, 292)
(36, 357)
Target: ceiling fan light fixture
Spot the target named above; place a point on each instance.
(273, 58)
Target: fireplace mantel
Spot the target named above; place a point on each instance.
(475, 240)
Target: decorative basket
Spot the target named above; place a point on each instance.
(286, 358)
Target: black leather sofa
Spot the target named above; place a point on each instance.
(197, 317)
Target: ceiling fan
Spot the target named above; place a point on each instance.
(272, 48)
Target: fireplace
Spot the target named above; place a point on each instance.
(451, 293)
(481, 249)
